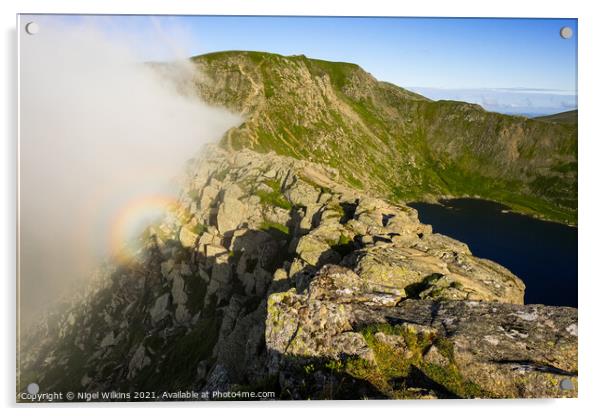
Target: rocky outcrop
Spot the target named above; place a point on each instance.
(446, 349)
(270, 274)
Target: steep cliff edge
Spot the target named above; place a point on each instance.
(410, 148)
(273, 274)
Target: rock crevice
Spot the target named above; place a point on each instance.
(271, 274)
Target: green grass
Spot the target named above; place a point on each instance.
(199, 229)
(394, 369)
(567, 117)
(273, 197)
(399, 145)
(271, 225)
(343, 245)
(221, 175)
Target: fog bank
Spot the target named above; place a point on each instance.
(99, 132)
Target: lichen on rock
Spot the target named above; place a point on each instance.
(277, 273)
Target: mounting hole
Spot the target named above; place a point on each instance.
(32, 28)
(566, 384)
(33, 388)
(566, 32)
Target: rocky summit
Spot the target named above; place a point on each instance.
(271, 273)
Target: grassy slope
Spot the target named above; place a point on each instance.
(390, 141)
(567, 117)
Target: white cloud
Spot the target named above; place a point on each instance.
(507, 100)
(98, 130)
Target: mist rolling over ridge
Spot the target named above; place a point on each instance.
(103, 136)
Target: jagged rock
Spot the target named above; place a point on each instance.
(166, 267)
(280, 274)
(187, 238)
(178, 292)
(108, 340)
(241, 341)
(218, 379)
(231, 211)
(221, 273)
(433, 356)
(215, 254)
(316, 252)
(342, 279)
(209, 238)
(159, 309)
(138, 362)
(302, 193)
(346, 286)
(496, 349)
(179, 296)
(203, 275)
(388, 269)
(257, 248)
(220, 283)
(208, 195)
(173, 275)
(410, 272)
(307, 221)
(185, 269)
(257, 282)
(440, 245)
(182, 314)
(509, 350)
(270, 174)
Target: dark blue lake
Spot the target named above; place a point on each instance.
(542, 253)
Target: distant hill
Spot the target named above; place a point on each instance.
(389, 141)
(567, 117)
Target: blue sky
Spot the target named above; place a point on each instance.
(506, 65)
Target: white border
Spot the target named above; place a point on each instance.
(590, 204)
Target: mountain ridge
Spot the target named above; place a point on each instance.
(408, 147)
(566, 117)
(270, 274)
(290, 264)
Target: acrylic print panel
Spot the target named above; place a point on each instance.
(275, 208)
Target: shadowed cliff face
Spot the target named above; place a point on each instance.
(272, 274)
(407, 146)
